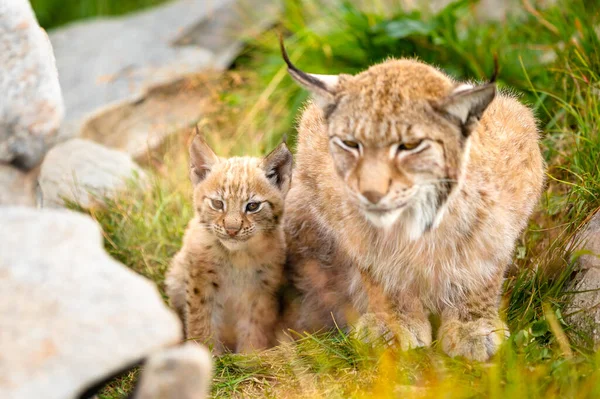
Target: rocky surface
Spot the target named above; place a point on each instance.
(179, 373)
(72, 315)
(31, 107)
(138, 126)
(17, 187)
(585, 305)
(125, 80)
(85, 173)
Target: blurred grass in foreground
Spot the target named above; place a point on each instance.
(548, 56)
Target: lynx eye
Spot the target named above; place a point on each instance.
(409, 146)
(351, 144)
(217, 205)
(252, 207)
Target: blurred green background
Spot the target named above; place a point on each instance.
(53, 13)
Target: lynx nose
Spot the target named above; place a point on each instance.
(232, 224)
(373, 196)
(232, 232)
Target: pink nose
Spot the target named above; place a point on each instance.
(373, 196)
(232, 232)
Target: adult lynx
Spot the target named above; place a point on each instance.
(412, 183)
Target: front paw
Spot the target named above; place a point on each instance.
(475, 340)
(407, 334)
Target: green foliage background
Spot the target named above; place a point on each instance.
(53, 13)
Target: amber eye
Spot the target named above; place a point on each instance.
(409, 146)
(217, 205)
(351, 144)
(252, 207)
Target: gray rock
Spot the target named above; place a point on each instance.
(85, 173)
(110, 66)
(584, 306)
(31, 108)
(588, 242)
(71, 314)
(138, 126)
(17, 187)
(224, 30)
(179, 373)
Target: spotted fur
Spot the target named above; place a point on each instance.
(224, 280)
(419, 184)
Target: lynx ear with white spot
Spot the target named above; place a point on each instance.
(202, 159)
(322, 87)
(278, 167)
(467, 104)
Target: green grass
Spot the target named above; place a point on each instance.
(53, 13)
(549, 57)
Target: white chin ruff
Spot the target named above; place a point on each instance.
(383, 220)
(416, 219)
(234, 245)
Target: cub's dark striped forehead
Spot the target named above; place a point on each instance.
(240, 178)
(237, 177)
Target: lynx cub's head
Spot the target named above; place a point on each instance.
(240, 198)
(398, 137)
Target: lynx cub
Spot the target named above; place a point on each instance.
(417, 185)
(223, 282)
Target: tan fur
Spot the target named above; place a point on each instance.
(224, 288)
(486, 175)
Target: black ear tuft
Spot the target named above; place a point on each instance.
(495, 73)
(322, 87)
(302, 77)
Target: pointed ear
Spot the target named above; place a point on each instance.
(322, 87)
(202, 159)
(278, 167)
(466, 104)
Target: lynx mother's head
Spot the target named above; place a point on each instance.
(399, 137)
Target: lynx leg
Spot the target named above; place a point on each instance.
(324, 302)
(256, 327)
(175, 285)
(473, 328)
(200, 293)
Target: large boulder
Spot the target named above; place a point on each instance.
(179, 373)
(86, 173)
(584, 306)
(136, 127)
(31, 108)
(126, 80)
(70, 314)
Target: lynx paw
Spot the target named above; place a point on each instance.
(475, 340)
(371, 328)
